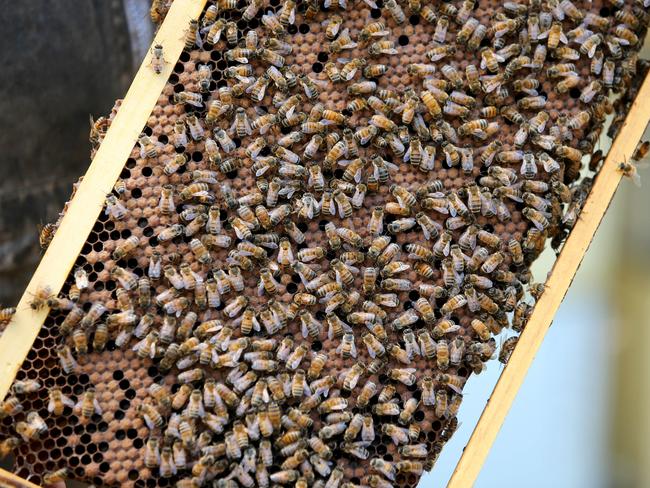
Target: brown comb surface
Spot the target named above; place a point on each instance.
(109, 449)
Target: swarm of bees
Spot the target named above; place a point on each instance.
(320, 321)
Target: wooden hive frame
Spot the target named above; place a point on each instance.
(111, 156)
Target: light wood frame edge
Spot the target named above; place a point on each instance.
(560, 278)
(10, 480)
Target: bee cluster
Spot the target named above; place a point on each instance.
(324, 226)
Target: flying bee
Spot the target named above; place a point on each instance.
(628, 170)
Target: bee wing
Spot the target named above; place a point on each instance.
(446, 249)
(67, 401)
(425, 232)
(636, 179)
(262, 170)
(310, 211)
(205, 29)
(341, 211)
(391, 166)
(358, 175)
(233, 126)
(330, 331)
(198, 39)
(351, 74)
(290, 111)
(332, 207)
(98, 409)
(194, 103)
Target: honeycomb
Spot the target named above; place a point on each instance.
(321, 430)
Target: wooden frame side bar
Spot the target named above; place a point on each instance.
(10, 480)
(558, 283)
(85, 207)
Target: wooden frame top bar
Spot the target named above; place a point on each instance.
(558, 283)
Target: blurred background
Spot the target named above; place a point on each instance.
(582, 417)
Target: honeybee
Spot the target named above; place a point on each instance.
(10, 407)
(24, 387)
(68, 364)
(40, 297)
(270, 57)
(123, 250)
(628, 170)
(157, 62)
(188, 98)
(152, 453)
(7, 313)
(88, 406)
(8, 445)
(46, 234)
(32, 428)
(150, 415)
(80, 341)
(507, 348)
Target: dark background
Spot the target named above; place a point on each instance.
(61, 61)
